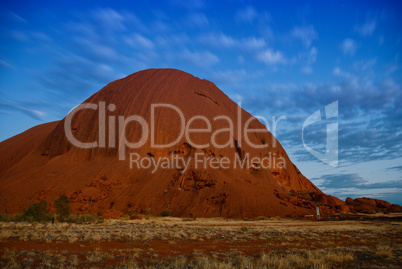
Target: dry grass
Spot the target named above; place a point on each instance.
(384, 251)
(306, 259)
(338, 256)
(302, 259)
(74, 260)
(4, 235)
(170, 228)
(269, 243)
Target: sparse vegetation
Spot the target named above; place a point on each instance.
(37, 212)
(11, 217)
(261, 218)
(165, 213)
(78, 219)
(384, 251)
(62, 207)
(4, 235)
(155, 242)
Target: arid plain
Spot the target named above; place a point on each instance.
(367, 241)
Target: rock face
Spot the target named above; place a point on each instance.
(371, 206)
(122, 126)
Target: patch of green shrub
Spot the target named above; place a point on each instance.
(11, 218)
(260, 218)
(62, 207)
(37, 212)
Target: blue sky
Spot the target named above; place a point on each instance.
(279, 58)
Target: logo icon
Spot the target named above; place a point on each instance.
(331, 150)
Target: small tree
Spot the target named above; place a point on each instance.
(36, 212)
(62, 207)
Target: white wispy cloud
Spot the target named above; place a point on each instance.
(229, 75)
(271, 57)
(312, 55)
(221, 40)
(305, 33)
(95, 50)
(189, 4)
(199, 58)
(348, 46)
(6, 64)
(217, 40)
(308, 58)
(34, 113)
(14, 16)
(247, 14)
(109, 18)
(366, 29)
(197, 19)
(139, 41)
(307, 69)
(19, 36)
(252, 43)
(167, 40)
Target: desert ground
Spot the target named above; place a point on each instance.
(169, 242)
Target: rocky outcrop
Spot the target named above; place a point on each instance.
(371, 206)
(217, 172)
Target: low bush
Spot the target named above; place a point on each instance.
(78, 219)
(37, 212)
(62, 207)
(11, 218)
(165, 213)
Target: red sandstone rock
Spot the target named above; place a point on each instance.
(366, 201)
(111, 214)
(343, 208)
(41, 163)
(349, 201)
